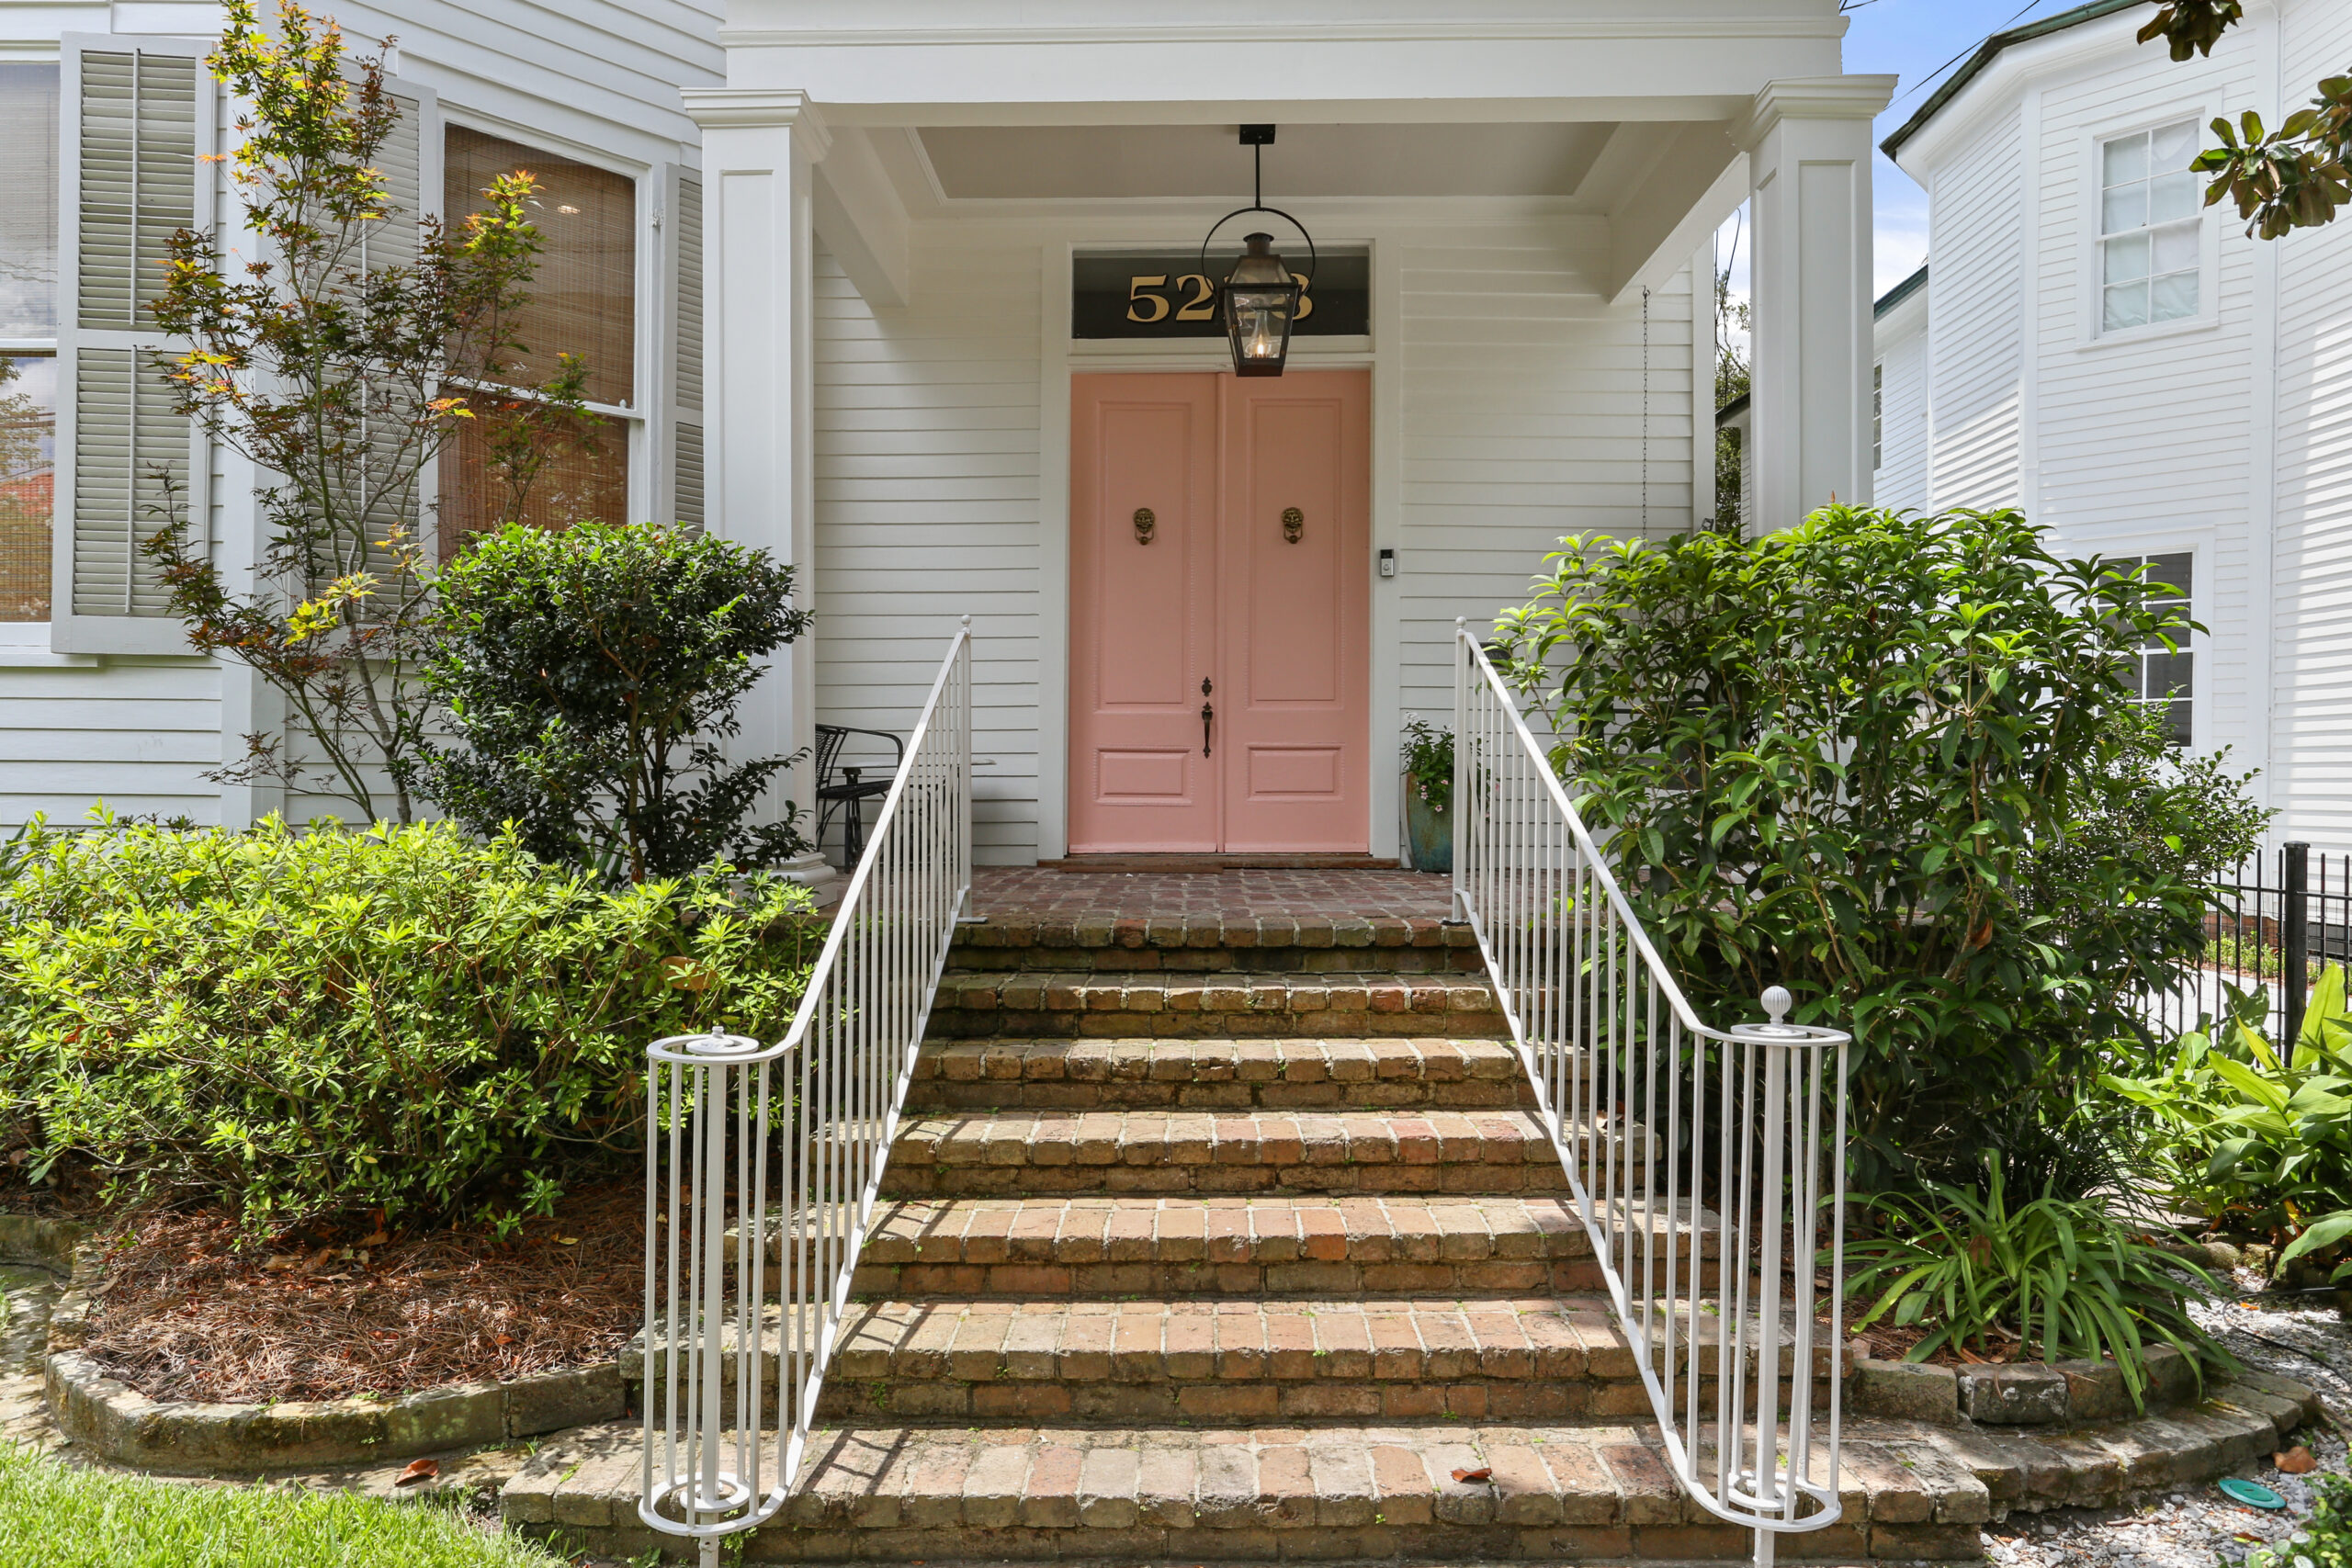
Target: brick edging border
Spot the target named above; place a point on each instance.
(114, 1421)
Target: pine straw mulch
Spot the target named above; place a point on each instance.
(185, 1313)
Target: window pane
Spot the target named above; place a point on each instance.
(576, 484)
(2127, 160)
(2173, 249)
(2173, 571)
(2177, 721)
(28, 202)
(582, 296)
(2171, 197)
(2124, 209)
(2173, 299)
(2127, 258)
(28, 457)
(2174, 147)
(2127, 306)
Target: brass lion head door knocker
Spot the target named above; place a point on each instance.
(1145, 524)
(1294, 524)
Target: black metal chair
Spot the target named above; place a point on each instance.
(842, 792)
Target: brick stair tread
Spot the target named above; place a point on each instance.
(1221, 1072)
(1288, 1228)
(1135, 933)
(1153, 1137)
(1131, 1489)
(1229, 991)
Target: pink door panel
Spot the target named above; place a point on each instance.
(1294, 612)
(1142, 612)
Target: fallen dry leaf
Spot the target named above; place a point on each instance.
(2295, 1461)
(1480, 1475)
(418, 1470)
(279, 1265)
(375, 1238)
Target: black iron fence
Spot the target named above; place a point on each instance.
(2283, 917)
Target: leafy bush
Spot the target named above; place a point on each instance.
(2325, 1540)
(2060, 1276)
(593, 675)
(295, 1025)
(1885, 760)
(2260, 1145)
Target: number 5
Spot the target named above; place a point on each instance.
(1138, 295)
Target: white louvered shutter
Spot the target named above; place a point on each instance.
(686, 397)
(137, 115)
(410, 163)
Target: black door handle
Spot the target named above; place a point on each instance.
(1208, 716)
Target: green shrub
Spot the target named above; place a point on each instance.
(2061, 1276)
(2261, 1145)
(2325, 1540)
(593, 675)
(299, 1024)
(1895, 763)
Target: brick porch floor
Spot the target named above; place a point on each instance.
(1041, 894)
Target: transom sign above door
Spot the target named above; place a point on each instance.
(1220, 636)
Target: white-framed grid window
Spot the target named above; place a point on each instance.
(1878, 416)
(2164, 676)
(2151, 249)
(28, 333)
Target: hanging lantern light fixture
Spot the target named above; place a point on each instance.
(1260, 299)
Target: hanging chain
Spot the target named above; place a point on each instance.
(1645, 413)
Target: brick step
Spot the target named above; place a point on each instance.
(1044, 1153)
(1194, 943)
(1184, 1495)
(1063, 1005)
(1233, 1363)
(1227, 1074)
(1098, 1247)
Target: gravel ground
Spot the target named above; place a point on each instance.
(2198, 1527)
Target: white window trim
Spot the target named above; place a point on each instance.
(2091, 273)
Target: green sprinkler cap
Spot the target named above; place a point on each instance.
(2252, 1493)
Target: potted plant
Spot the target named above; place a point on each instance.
(1429, 793)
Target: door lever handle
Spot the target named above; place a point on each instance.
(1208, 721)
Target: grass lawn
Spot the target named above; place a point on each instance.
(53, 1516)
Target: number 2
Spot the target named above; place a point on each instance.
(1202, 306)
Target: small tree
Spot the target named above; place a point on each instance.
(592, 674)
(342, 378)
(2293, 177)
(1879, 759)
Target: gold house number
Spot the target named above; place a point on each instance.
(1147, 307)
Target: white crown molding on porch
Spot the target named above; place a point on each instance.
(754, 108)
(1811, 97)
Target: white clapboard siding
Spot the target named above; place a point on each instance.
(139, 733)
(1902, 480)
(1522, 423)
(927, 502)
(2312, 734)
(1973, 327)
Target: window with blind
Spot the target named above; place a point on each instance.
(2151, 242)
(28, 337)
(583, 302)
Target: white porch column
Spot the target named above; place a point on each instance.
(1808, 145)
(759, 151)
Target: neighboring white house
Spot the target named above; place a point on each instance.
(946, 255)
(2094, 345)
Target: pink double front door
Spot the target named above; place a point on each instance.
(1220, 608)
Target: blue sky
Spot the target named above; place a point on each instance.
(1917, 40)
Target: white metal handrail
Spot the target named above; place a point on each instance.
(714, 1114)
(1622, 1071)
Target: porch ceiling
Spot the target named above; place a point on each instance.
(1307, 162)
